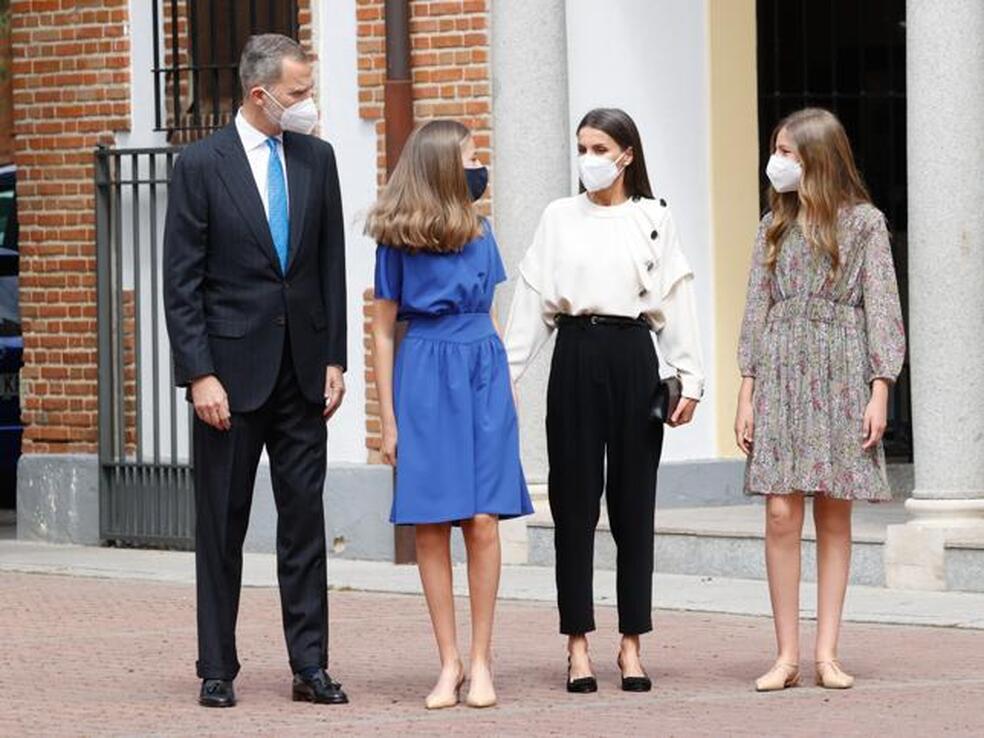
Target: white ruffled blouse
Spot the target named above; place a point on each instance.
(607, 260)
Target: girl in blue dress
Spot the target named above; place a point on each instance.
(446, 402)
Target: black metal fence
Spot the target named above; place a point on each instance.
(197, 44)
(146, 493)
(849, 57)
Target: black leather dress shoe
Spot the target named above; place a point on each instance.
(320, 688)
(217, 693)
(581, 685)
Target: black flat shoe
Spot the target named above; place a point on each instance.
(581, 685)
(634, 683)
(319, 688)
(217, 693)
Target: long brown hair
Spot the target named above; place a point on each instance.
(426, 205)
(830, 181)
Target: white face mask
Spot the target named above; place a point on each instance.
(598, 172)
(301, 117)
(784, 173)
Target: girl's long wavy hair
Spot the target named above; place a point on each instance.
(830, 181)
(426, 205)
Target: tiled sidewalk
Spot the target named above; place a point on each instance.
(90, 656)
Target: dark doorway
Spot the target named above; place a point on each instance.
(849, 57)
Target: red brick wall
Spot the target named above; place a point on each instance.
(71, 92)
(305, 32)
(71, 79)
(451, 79)
(6, 92)
(71, 83)
(450, 60)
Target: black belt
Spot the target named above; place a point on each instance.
(589, 320)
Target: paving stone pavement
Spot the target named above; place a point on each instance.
(115, 657)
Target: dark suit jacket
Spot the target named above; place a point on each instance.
(227, 303)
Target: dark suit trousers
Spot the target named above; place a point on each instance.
(293, 431)
(602, 380)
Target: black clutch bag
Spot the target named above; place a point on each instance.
(665, 400)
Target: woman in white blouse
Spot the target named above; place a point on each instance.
(606, 268)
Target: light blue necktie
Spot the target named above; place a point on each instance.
(277, 204)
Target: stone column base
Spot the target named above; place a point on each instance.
(58, 498)
(915, 553)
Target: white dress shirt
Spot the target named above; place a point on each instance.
(258, 154)
(590, 259)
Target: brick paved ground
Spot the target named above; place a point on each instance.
(101, 657)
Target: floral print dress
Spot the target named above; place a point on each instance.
(814, 345)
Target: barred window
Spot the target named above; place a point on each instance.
(196, 58)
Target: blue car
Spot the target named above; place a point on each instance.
(11, 343)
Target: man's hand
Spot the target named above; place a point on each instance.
(211, 402)
(334, 390)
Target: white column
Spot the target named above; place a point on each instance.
(945, 113)
(334, 38)
(531, 164)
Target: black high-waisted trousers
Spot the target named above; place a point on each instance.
(602, 380)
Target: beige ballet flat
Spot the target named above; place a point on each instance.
(488, 701)
(779, 677)
(440, 703)
(472, 702)
(831, 676)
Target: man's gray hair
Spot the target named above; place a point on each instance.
(261, 63)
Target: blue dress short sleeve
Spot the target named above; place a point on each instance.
(459, 436)
(388, 283)
(498, 268)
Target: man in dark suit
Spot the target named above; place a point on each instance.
(254, 271)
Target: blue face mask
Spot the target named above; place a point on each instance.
(478, 180)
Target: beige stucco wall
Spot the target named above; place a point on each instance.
(734, 189)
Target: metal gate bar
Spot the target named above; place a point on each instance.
(146, 485)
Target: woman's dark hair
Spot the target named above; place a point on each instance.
(617, 124)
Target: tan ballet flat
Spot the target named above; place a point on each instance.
(442, 702)
(831, 676)
(779, 677)
(488, 701)
(472, 702)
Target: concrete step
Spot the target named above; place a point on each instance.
(519, 582)
(729, 542)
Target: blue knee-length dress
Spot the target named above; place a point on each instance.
(457, 432)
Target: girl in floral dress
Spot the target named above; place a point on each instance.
(821, 343)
